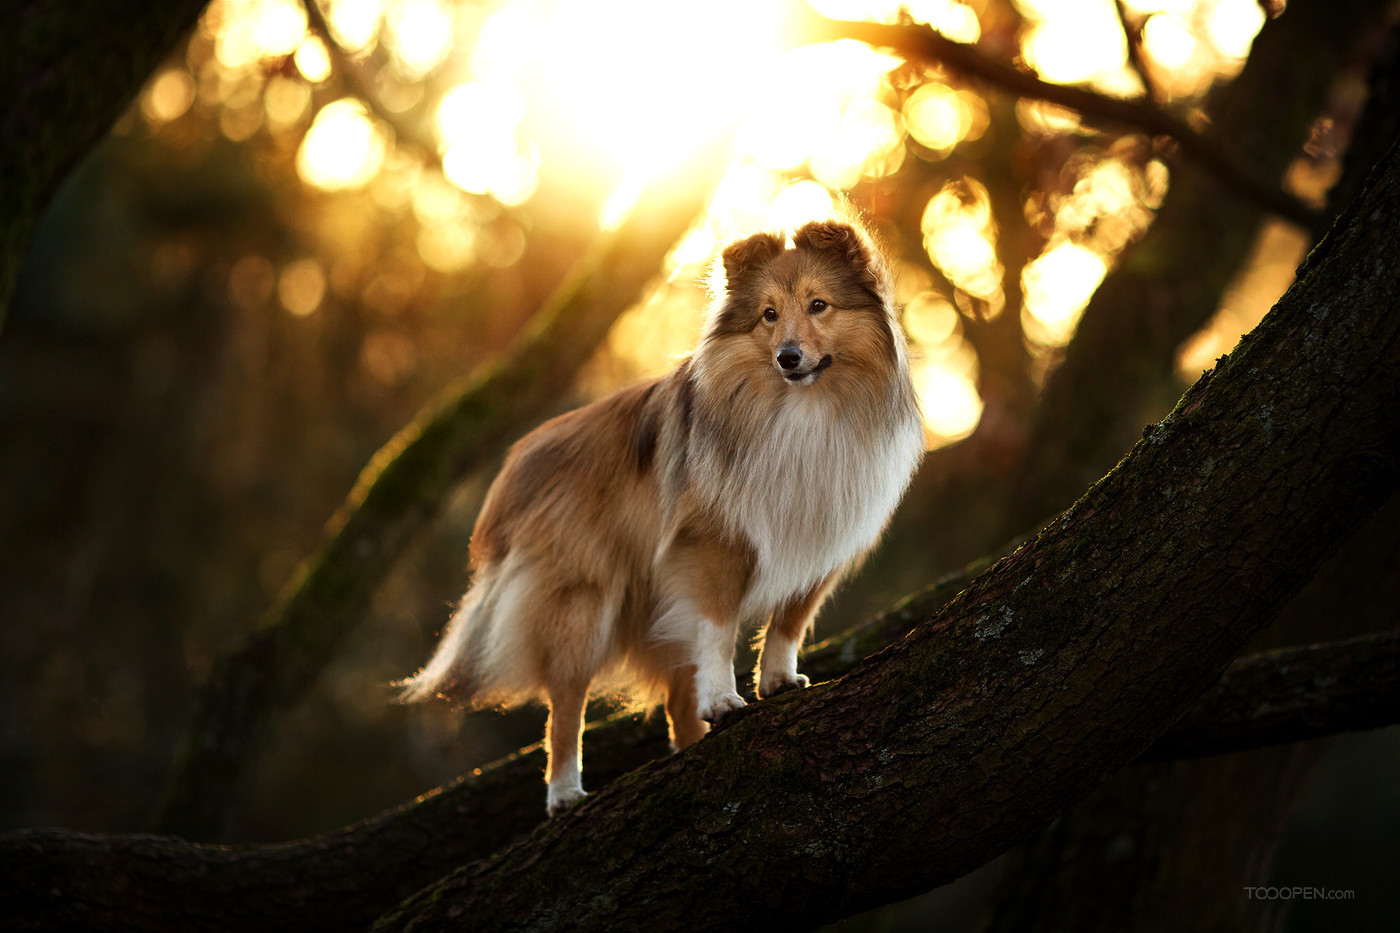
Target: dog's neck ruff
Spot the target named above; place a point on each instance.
(809, 483)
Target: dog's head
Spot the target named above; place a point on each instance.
(812, 310)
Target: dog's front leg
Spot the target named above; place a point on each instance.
(712, 653)
(786, 631)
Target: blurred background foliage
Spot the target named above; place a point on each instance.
(316, 215)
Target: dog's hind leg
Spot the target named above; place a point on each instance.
(564, 744)
(687, 727)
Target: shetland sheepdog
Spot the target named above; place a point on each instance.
(630, 539)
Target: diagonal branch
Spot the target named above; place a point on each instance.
(920, 43)
(400, 490)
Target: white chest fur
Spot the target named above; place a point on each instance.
(810, 492)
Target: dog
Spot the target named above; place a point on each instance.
(630, 539)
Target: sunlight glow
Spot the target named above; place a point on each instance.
(1168, 41)
(1075, 40)
(952, 407)
(1058, 285)
(419, 32)
(587, 97)
(344, 148)
(354, 23)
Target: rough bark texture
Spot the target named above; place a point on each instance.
(68, 70)
(401, 489)
(343, 880)
(1056, 667)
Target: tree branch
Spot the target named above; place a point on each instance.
(1290, 695)
(921, 43)
(400, 490)
(344, 879)
(65, 79)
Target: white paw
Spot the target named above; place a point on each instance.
(720, 705)
(775, 682)
(560, 799)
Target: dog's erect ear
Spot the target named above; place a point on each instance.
(747, 255)
(834, 238)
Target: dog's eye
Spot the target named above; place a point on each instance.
(817, 306)
(770, 315)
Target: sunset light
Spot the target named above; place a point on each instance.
(516, 97)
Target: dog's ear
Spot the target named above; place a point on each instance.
(842, 241)
(746, 255)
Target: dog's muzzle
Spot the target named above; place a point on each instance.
(796, 373)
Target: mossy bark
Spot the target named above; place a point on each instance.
(345, 879)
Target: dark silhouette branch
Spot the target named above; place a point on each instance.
(1312, 691)
(69, 70)
(920, 43)
(401, 488)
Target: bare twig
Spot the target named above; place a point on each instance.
(924, 44)
(1133, 34)
(359, 83)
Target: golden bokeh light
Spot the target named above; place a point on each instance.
(354, 24)
(257, 29)
(1074, 41)
(1231, 26)
(287, 102)
(951, 404)
(1168, 40)
(312, 60)
(959, 236)
(168, 96)
(301, 286)
(1058, 286)
(939, 117)
(419, 33)
(344, 148)
(930, 319)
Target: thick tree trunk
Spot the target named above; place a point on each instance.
(343, 880)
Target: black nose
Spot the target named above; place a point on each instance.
(789, 357)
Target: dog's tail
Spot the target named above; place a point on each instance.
(451, 672)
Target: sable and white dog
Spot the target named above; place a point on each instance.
(632, 537)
